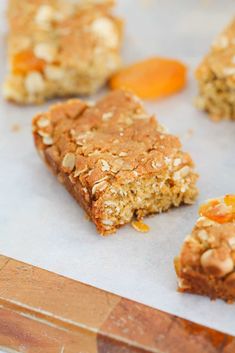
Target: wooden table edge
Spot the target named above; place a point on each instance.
(41, 311)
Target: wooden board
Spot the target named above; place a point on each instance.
(42, 312)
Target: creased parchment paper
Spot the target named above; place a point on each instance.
(41, 224)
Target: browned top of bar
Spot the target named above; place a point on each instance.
(112, 140)
(221, 59)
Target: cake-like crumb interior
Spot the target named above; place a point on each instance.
(123, 202)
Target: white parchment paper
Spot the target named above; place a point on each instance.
(41, 224)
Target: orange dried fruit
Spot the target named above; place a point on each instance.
(26, 61)
(140, 226)
(229, 200)
(151, 78)
(216, 211)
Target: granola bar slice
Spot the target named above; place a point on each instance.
(216, 77)
(115, 159)
(60, 48)
(206, 262)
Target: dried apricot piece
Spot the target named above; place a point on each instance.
(229, 200)
(151, 78)
(216, 211)
(140, 226)
(26, 61)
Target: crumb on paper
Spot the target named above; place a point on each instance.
(189, 134)
(147, 3)
(207, 3)
(140, 226)
(15, 127)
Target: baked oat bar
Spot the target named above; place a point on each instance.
(115, 159)
(60, 48)
(206, 263)
(216, 77)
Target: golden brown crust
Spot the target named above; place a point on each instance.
(78, 45)
(216, 77)
(206, 262)
(106, 154)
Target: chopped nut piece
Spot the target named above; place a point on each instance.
(45, 51)
(181, 173)
(217, 262)
(54, 73)
(45, 15)
(105, 29)
(34, 83)
(107, 222)
(203, 235)
(47, 140)
(43, 122)
(177, 162)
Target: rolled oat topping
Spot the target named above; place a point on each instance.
(128, 170)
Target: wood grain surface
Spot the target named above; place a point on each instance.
(42, 312)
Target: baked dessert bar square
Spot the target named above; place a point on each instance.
(216, 77)
(115, 159)
(206, 263)
(60, 48)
